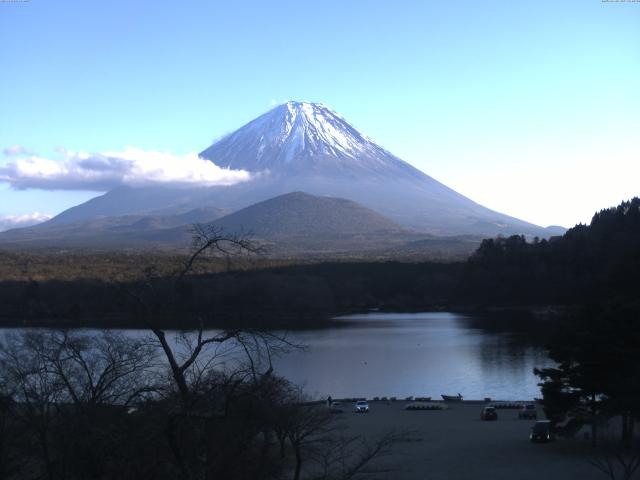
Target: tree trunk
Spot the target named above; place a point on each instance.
(44, 444)
(594, 429)
(266, 443)
(176, 371)
(298, 454)
(174, 446)
(281, 440)
(625, 428)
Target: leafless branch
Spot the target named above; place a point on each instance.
(213, 238)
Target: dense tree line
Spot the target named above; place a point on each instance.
(596, 345)
(596, 384)
(597, 377)
(292, 297)
(598, 261)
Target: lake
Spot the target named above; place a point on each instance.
(419, 354)
(401, 355)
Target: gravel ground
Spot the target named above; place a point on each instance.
(455, 444)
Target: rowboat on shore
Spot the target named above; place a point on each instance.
(452, 398)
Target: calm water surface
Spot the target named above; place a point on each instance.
(421, 354)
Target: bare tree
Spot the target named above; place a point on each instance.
(97, 368)
(206, 239)
(351, 457)
(35, 389)
(66, 388)
(11, 459)
(234, 363)
(616, 459)
(321, 447)
(307, 429)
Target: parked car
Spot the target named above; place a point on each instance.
(488, 413)
(362, 406)
(541, 432)
(528, 411)
(336, 407)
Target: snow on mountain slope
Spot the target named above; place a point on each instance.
(300, 137)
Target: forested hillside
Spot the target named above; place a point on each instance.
(598, 263)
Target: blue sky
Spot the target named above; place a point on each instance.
(530, 108)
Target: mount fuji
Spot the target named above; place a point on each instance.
(307, 147)
(300, 146)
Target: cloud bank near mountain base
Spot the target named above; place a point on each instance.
(7, 222)
(105, 171)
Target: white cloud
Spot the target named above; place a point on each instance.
(104, 171)
(8, 222)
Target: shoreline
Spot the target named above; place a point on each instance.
(497, 318)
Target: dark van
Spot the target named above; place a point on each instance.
(541, 432)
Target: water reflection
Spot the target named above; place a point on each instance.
(423, 354)
(390, 354)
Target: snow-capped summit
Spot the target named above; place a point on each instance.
(302, 137)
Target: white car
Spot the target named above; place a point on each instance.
(362, 406)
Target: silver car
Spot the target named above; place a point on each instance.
(362, 406)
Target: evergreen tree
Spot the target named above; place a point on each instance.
(597, 376)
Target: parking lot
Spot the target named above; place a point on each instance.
(456, 444)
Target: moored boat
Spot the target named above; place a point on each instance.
(452, 398)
